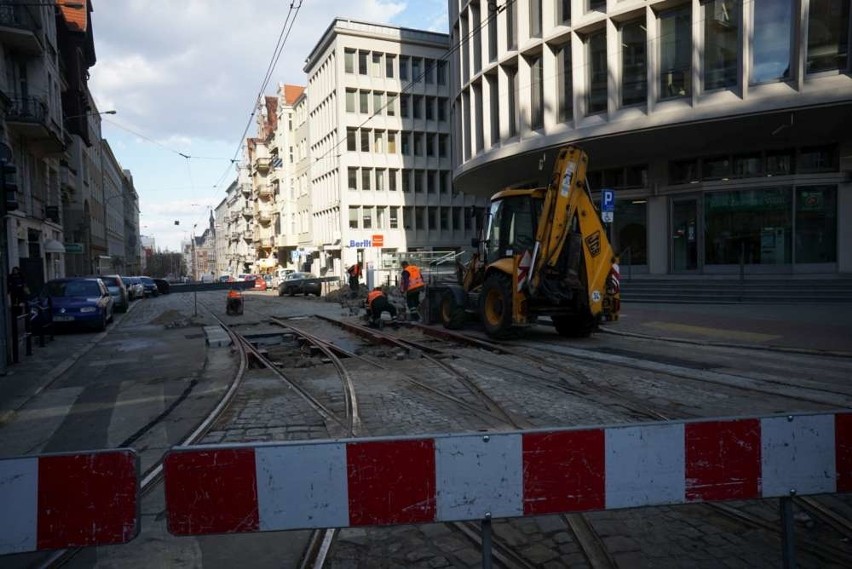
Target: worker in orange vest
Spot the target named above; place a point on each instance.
(235, 302)
(377, 302)
(412, 283)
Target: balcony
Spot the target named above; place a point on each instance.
(262, 163)
(248, 211)
(266, 242)
(263, 216)
(28, 117)
(67, 178)
(234, 235)
(264, 191)
(245, 189)
(19, 29)
(234, 215)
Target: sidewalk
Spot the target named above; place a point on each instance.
(807, 327)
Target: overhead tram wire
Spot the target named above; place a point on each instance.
(415, 80)
(273, 61)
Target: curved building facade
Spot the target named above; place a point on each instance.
(723, 126)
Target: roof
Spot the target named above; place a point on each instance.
(292, 92)
(75, 15)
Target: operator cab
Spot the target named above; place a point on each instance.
(511, 224)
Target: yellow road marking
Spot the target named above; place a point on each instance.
(714, 332)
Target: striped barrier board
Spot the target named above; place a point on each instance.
(68, 500)
(362, 482)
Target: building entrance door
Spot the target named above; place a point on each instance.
(685, 236)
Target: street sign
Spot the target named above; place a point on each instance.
(607, 216)
(73, 247)
(607, 200)
(378, 240)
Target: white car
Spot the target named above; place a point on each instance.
(134, 287)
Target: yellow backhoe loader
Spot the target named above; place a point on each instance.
(542, 252)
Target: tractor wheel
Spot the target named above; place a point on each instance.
(574, 326)
(495, 305)
(452, 315)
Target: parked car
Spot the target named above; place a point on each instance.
(115, 286)
(163, 286)
(79, 300)
(134, 288)
(300, 283)
(260, 283)
(149, 286)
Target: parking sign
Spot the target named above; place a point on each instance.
(607, 200)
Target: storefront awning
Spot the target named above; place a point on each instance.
(53, 246)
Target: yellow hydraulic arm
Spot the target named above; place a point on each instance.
(567, 197)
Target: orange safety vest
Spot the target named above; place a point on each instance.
(233, 293)
(374, 294)
(415, 281)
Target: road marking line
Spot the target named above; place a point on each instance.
(715, 332)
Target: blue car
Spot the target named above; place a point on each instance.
(79, 301)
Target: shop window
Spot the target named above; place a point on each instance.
(613, 178)
(683, 171)
(752, 225)
(779, 163)
(816, 224)
(630, 228)
(828, 35)
(636, 177)
(716, 168)
(817, 159)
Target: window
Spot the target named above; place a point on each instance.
(353, 217)
(563, 12)
(535, 18)
(476, 31)
(445, 218)
(406, 181)
(404, 62)
(430, 182)
(442, 109)
(365, 179)
(772, 43)
(407, 218)
(353, 178)
(349, 60)
(596, 49)
(416, 69)
(394, 217)
(430, 108)
(634, 89)
(675, 52)
(537, 94)
(406, 144)
(816, 224)
(351, 139)
(390, 108)
(380, 217)
(721, 43)
(418, 144)
(492, 38)
(716, 168)
(433, 217)
(365, 140)
(566, 83)
(362, 62)
(828, 35)
(630, 231)
(683, 171)
(779, 163)
(511, 26)
(379, 141)
(442, 72)
(391, 142)
(418, 181)
(430, 144)
(469, 213)
(403, 106)
(512, 76)
(390, 63)
(417, 106)
(748, 165)
(364, 102)
(368, 218)
(377, 64)
(430, 71)
(378, 102)
(818, 159)
(350, 101)
(442, 145)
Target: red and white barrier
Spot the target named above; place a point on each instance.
(320, 484)
(69, 500)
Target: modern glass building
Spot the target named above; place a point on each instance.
(722, 125)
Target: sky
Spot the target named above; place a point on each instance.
(183, 77)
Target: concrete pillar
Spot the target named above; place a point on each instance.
(658, 236)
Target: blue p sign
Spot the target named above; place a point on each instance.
(607, 200)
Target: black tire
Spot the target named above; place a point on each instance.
(453, 316)
(495, 305)
(574, 326)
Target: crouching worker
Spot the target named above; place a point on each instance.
(235, 302)
(377, 302)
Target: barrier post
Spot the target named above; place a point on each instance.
(788, 532)
(486, 542)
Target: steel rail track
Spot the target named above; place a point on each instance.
(154, 475)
